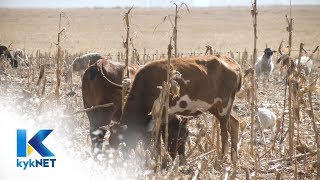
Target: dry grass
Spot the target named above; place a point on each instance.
(201, 161)
(102, 29)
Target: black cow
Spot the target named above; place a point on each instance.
(4, 51)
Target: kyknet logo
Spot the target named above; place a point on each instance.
(25, 148)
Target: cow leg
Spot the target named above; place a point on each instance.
(118, 111)
(224, 134)
(91, 117)
(223, 116)
(98, 118)
(234, 133)
(223, 120)
(96, 134)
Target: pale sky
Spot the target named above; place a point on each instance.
(142, 3)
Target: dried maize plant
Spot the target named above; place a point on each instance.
(245, 91)
(302, 87)
(174, 25)
(298, 85)
(58, 57)
(136, 56)
(175, 28)
(4, 64)
(126, 81)
(284, 58)
(126, 43)
(244, 59)
(287, 61)
(231, 54)
(158, 110)
(41, 78)
(254, 14)
(159, 114)
(208, 50)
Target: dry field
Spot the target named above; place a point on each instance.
(101, 30)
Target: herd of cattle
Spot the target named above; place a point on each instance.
(208, 84)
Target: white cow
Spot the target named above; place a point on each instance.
(82, 63)
(267, 121)
(20, 56)
(306, 64)
(264, 64)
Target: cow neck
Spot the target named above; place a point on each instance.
(142, 95)
(133, 113)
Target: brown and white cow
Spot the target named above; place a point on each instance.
(177, 135)
(102, 84)
(208, 83)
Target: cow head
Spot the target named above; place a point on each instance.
(177, 135)
(268, 52)
(117, 132)
(4, 51)
(177, 131)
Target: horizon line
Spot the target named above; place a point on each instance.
(125, 7)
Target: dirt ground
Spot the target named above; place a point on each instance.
(102, 30)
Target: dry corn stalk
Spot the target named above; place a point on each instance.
(254, 17)
(175, 28)
(59, 55)
(244, 57)
(208, 50)
(126, 43)
(43, 86)
(174, 25)
(126, 46)
(41, 74)
(289, 72)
